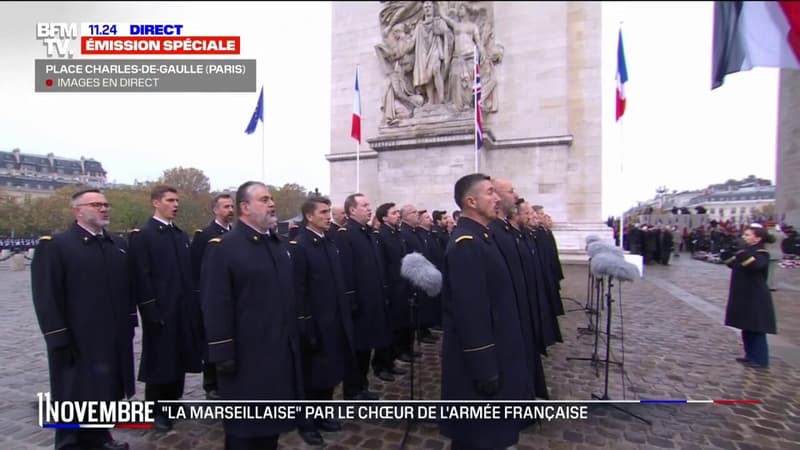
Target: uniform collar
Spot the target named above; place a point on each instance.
(355, 225)
(226, 228)
(319, 235)
(253, 235)
(88, 237)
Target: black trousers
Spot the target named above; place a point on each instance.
(72, 439)
(165, 391)
(251, 443)
(209, 376)
(314, 394)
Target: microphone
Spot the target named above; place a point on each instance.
(591, 238)
(421, 273)
(597, 247)
(609, 264)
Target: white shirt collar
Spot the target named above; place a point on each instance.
(90, 231)
(162, 221)
(227, 227)
(321, 236)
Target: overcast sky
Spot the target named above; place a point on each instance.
(676, 132)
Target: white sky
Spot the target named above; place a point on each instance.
(676, 132)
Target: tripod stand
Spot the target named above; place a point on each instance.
(593, 311)
(416, 333)
(609, 300)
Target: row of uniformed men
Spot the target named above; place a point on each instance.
(89, 338)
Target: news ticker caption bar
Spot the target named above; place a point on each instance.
(80, 415)
(145, 75)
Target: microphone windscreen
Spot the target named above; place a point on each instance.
(421, 273)
(608, 264)
(598, 247)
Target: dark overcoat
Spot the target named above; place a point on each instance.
(482, 334)
(508, 244)
(750, 305)
(362, 266)
(81, 294)
(393, 247)
(162, 273)
(322, 309)
(250, 318)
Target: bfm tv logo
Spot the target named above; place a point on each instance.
(56, 38)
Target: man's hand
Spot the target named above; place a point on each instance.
(488, 388)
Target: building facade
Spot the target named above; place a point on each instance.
(25, 175)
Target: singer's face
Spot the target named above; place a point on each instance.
(487, 201)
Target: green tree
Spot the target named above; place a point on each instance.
(131, 207)
(186, 179)
(288, 199)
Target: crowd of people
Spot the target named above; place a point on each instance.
(18, 244)
(269, 318)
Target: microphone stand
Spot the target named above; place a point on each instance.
(607, 361)
(415, 332)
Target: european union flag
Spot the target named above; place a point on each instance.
(258, 114)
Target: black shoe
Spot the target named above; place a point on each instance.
(369, 395)
(328, 425)
(429, 339)
(742, 360)
(312, 437)
(754, 365)
(397, 371)
(364, 395)
(405, 357)
(162, 423)
(115, 445)
(213, 395)
(385, 375)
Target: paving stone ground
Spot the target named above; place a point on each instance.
(675, 346)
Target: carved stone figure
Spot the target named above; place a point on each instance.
(428, 59)
(433, 42)
(462, 67)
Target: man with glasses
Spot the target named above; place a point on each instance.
(162, 269)
(250, 317)
(81, 295)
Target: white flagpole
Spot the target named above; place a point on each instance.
(621, 158)
(358, 142)
(263, 132)
(475, 60)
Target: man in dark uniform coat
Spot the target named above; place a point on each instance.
(431, 317)
(81, 293)
(250, 317)
(337, 221)
(509, 247)
(393, 248)
(323, 314)
(222, 207)
(363, 271)
(172, 324)
(482, 330)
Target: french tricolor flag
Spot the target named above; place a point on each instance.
(754, 34)
(622, 78)
(355, 129)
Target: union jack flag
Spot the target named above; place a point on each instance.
(477, 101)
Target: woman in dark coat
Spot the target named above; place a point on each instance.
(750, 307)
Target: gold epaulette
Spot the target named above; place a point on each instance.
(214, 241)
(293, 242)
(135, 230)
(763, 250)
(462, 238)
(730, 260)
(342, 229)
(198, 231)
(46, 238)
(748, 261)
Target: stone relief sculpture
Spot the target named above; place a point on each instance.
(427, 53)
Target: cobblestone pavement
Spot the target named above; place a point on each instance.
(675, 346)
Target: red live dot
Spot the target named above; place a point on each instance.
(49, 83)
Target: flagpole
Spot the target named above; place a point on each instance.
(262, 151)
(358, 142)
(621, 162)
(475, 100)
